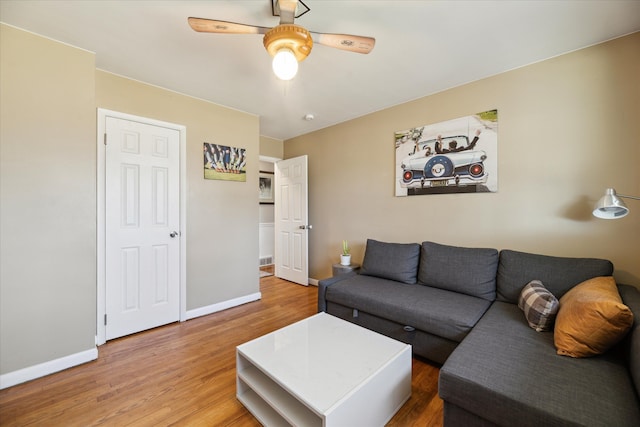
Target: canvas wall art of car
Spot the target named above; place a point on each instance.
(456, 156)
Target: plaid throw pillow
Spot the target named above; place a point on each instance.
(539, 305)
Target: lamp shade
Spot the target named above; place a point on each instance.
(610, 206)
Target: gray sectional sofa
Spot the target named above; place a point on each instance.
(459, 307)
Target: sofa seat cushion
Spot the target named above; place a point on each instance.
(508, 374)
(443, 313)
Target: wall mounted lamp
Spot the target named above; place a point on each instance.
(610, 206)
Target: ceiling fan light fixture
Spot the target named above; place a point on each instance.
(287, 40)
(285, 64)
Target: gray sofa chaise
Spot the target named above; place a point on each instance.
(459, 307)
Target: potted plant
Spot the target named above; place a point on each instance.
(345, 257)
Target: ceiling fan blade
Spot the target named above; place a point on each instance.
(287, 10)
(203, 25)
(358, 44)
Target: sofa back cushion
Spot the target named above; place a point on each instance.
(471, 271)
(558, 274)
(393, 261)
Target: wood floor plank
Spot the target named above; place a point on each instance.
(184, 374)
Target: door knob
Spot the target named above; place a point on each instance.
(305, 227)
(174, 234)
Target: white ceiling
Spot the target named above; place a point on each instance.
(422, 47)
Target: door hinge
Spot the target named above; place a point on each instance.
(105, 139)
(105, 320)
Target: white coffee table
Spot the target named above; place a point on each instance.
(323, 371)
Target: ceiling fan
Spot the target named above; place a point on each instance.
(287, 42)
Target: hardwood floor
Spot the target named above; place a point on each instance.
(184, 374)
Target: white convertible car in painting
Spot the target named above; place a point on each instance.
(444, 162)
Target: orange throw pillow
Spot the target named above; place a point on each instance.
(591, 318)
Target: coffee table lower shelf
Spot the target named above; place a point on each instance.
(262, 396)
(261, 410)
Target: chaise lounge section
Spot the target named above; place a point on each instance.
(459, 307)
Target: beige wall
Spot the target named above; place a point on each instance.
(49, 93)
(271, 147)
(568, 128)
(47, 200)
(222, 216)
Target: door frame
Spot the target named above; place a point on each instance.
(273, 160)
(101, 288)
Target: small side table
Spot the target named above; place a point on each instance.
(339, 269)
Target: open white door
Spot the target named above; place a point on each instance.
(292, 220)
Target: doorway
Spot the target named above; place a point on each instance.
(141, 224)
(266, 231)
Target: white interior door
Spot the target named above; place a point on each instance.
(292, 220)
(142, 220)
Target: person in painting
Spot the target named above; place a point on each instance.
(242, 161)
(218, 155)
(263, 186)
(208, 157)
(453, 145)
(226, 158)
(232, 160)
(214, 157)
(236, 157)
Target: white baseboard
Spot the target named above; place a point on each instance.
(36, 371)
(313, 282)
(203, 311)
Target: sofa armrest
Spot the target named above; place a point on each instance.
(631, 298)
(324, 283)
